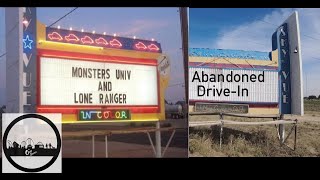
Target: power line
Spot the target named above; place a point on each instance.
(49, 26)
(63, 17)
(301, 33)
(275, 26)
(206, 62)
(311, 37)
(303, 14)
(315, 58)
(3, 55)
(232, 36)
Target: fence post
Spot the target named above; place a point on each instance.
(281, 130)
(158, 140)
(295, 134)
(221, 129)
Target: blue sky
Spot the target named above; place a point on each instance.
(251, 29)
(207, 23)
(162, 24)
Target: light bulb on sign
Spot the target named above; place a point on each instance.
(82, 30)
(58, 27)
(25, 22)
(93, 32)
(114, 34)
(134, 37)
(70, 28)
(104, 33)
(152, 39)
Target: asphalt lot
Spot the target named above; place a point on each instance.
(124, 145)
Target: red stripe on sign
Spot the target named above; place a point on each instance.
(251, 104)
(75, 109)
(96, 58)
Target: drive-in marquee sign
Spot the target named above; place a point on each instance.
(103, 83)
(85, 76)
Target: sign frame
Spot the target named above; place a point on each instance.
(73, 109)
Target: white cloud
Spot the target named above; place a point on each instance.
(256, 35)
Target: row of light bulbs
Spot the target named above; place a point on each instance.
(104, 33)
(82, 30)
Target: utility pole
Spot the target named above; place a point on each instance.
(184, 39)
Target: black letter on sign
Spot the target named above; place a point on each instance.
(74, 72)
(194, 76)
(203, 90)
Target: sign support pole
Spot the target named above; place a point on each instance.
(158, 140)
(92, 146)
(14, 60)
(281, 131)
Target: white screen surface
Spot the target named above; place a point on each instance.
(262, 92)
(64, 82)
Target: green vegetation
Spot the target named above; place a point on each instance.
(312, 105)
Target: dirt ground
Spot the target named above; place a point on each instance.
(260, 141)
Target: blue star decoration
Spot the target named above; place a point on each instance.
(27, 42)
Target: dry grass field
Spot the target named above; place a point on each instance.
(257, 141)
